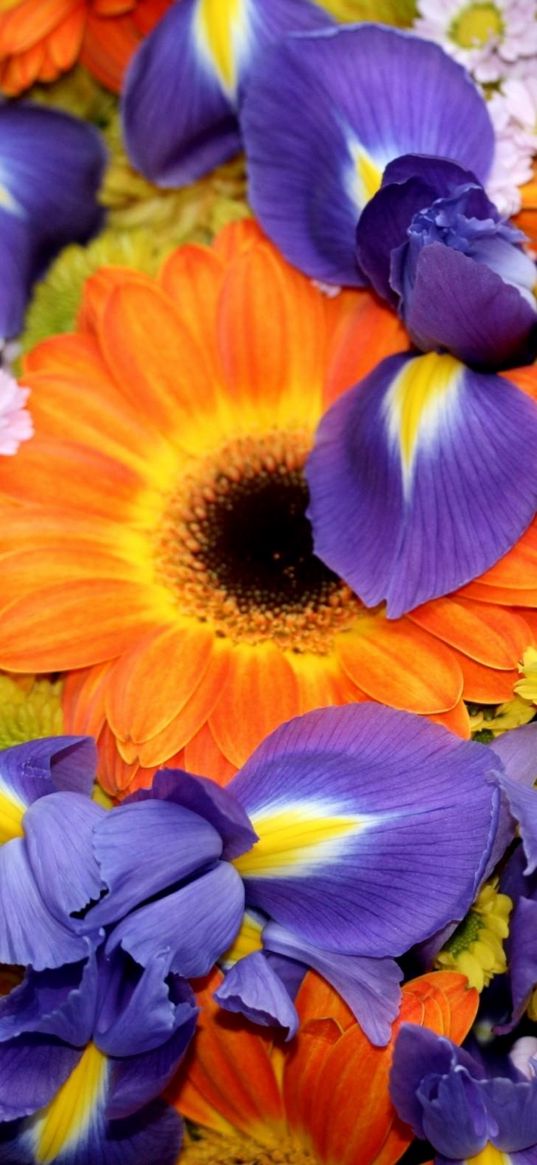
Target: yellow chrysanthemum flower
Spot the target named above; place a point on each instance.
(487, 722)
(527, 687)
(29, 708)
(476, 947)
(401, 13)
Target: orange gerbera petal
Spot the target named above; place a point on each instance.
(322, 682)
(229, 1082)
(243, 715)
(83, 700)
(516, 572)
(202, 271)
(456, 719)
(31, 21)
(111, 40)
(270, 327)
(202, 755)
(486, 685)
(482, 631)
(59, 627)
(399, 664)
(84, 479)
(151, 684)
(365, 332)
(64, 46)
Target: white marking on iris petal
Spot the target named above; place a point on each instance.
(222, 32)
(296, 838)
(419, 405)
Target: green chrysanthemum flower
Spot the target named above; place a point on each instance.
(29, 708)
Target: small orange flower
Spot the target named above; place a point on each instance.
(41, 39)
(153, 532)
(319, 1100)
(526, 219)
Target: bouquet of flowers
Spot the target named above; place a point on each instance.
(268, 632)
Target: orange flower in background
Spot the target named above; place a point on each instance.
(41, 39)
(526, 219)
(154, 538)
(320, 1100)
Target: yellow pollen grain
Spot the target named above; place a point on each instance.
(68, 1116)
(181, 538)
(291, 841)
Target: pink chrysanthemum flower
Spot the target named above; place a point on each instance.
(513, 110)
(488, 38)
(16, 423)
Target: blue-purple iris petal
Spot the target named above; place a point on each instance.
(411, 864)
(523, 805)
(192, 926)
(517, 751)
(522, 957)
(29, 933)
(59, 1003)
(38, 767)
(358, 94)
(32, 1068)
(152, 1135)
(179, 109)
(370, 987)
(138, 1009)
(41, 212)
(455, 1116)
(464, 307)
(59, 837)
(514, 1105)
(137, 1079)
(464, 463)
(419, 1054)
(253, 988)
(215, 804)
(144, 847)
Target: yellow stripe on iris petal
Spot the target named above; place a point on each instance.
(364, 175)
(12, 811)
(247, 942)
(417, 403)
(220, 26)
(295, 840)
(67, 1118)
(490, 1155)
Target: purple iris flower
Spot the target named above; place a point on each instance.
(84, 1050)
(342, 836)
(47, 868)
(433, 245)
(447, 1098)
(51, 167)
(323, 115)
(187, 79)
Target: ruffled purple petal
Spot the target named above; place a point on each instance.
(139, 1009)
(144, 847)
(32, 1068)
(191, 927)
(59, 1003)
(523, 806)
(212, 802)
(370, 987)
(522, 957)
(38, 767)
(59, 838)
(418, 1053)
(514, 1107)
(422, 445)
(252, 988)
(30, 935)
(148, 1137)
(377, 855)
(325, 113)
(464, 307)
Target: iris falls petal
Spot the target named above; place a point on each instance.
(361, 844)
(441, 459)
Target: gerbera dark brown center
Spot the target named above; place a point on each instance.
(239, 548)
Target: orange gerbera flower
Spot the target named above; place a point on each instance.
(40, 39)
(320, 1100)
(154, 535)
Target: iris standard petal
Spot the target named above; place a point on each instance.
(202, 796)
(359, 97)
(370, 987)
(30, 935)
(467, 309)
(138, 1010)
(59, 838)
(253, 988)
(192, 927)
(362, 847)
(144, 847)
(183, 86)
(38, 767)
(438, 457)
